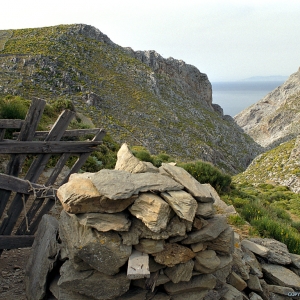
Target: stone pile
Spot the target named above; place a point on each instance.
(140, 232)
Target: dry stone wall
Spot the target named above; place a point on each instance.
(123, 234)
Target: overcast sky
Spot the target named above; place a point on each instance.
(227, 40)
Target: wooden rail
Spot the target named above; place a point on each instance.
(17, 231)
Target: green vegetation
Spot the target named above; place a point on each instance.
(269, 209)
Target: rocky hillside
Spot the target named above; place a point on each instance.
(139, 97)
(280, 165)
(275, 118)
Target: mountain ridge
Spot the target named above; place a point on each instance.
(140, 97)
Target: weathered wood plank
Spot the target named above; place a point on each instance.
(27, 131)
(16, 241)
(67, 133)
(39, 164)
(11, 123)
(19, 185)
(52, 147)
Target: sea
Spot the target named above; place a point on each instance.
(235, 96)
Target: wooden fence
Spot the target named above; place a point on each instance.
(18, 223)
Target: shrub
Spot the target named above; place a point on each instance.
(13, 108)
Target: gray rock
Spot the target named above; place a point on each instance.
(281, 290)
(184, 205)
(205, 210)
(43, 255)
(126, 161)
(254, 283)
(194, 187)
(224, 243)
(254, 296)
(279, 275)
(115, 184)
(236, 281)
(206, 261)
(103, 251)
(250, 259)
(239, 264)
(196, 284)
(105, 222)
(255, 248)
(180, 272)
(215, 226)
(198, 247)
(87, 283)
(134, 294)
(152, 210)
(278, 252)
(295, 260)
(198, 295)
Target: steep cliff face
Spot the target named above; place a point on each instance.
(139, 97)
(275, 118)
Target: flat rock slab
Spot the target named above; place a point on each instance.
(150, 246)
(93, 284)
(255, 248)
(205, 210)
(105, 222)
(279, 275)
(115, 184)
(194, 187)
(152, 210)
(212, 230)
(79, 195)
(184, 205)
(42, 257)
(173, 254)
(196, 284)
(278, 252)
(103, 251)
(126, 161)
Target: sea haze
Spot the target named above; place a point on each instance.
(235, 96)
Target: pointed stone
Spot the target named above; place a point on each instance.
(254, 283)
(194, 187)
(184, 205)
(212, 230)
(250, 259)
(126, 161)
(255, 248)
(152, 210)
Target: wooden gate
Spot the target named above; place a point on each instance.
(17, 229)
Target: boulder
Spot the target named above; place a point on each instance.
(205, 210)
(184, 205)
(44, 253)
(152, 210)
(193, 186)
(206, 261)
(126, 161)
(108, 251)
(87, 283)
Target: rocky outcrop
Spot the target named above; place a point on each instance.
(153, 250)
(275, 118)
(141, 98)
